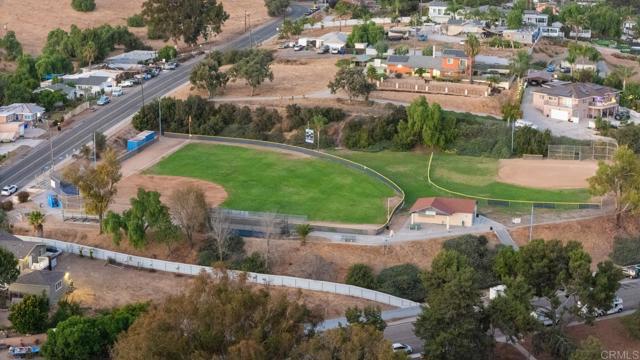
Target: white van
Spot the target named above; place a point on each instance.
(117, 91)
(616, 307)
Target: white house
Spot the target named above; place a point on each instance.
(532, 17)
(438, 11)
(69, 91)
(334, 40)
(552, 31)
(92, 82)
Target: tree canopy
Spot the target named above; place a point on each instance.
(30, 315)
(353, 81)
(8, 267)
(188, 20)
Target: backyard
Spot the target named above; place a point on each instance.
(269, 181)
(470, 175)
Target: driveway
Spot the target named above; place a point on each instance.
(558, 127)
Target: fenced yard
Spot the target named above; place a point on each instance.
(434, 87)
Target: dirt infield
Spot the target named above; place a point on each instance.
(546, 174)
(165, 185)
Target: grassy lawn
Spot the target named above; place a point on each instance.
(270, 181)
(464, 174)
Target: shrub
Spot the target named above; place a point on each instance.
(402, 281)
(83, 5)
(23, 196)
(66, 309)
(303, 231)
(626, 251)
(135, 21)
(632, 324)
(167, 53)
(7, 205)
(29, 316)
(361, 275)
(255, 262)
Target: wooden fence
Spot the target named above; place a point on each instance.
(433, 87)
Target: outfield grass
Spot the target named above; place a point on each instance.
(465, 174)
(276, 182)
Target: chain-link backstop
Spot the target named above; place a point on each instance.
(597, 150)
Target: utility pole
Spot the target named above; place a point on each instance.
(250, 33)
(160, 117)
(245, 21)
(95, 150)
(189, 126)
(50, 146)
(531, 224)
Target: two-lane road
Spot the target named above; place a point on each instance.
(38, 159)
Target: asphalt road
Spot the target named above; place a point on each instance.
(402, 330)
(38, 160)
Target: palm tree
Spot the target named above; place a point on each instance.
(471, 49)
(453, 8)
(89, 53)
(624, 73)
(576, 22)
(341, 10)
(36, 219)
(520, 63)
(318, 122)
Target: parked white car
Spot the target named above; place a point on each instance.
(126, 83)
(117, 91)
(9, 190)
(523, 123)
(398, 347)
(616, 307)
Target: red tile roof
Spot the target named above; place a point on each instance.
(446, 205)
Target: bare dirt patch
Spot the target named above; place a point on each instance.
(165, 185)
(480, 105)
(611, 332)
(546, 174)
(33, 19)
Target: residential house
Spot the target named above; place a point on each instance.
(629, 28)
(15, 118)
(454, 63)
(552, 31)
(69, 91)
(334, 40)
(438, 11)
(526, 36)
(35, 262)
(532, 17)
(451, 63)
(444, 211)
(93, 82)
(576, 102)
(455, 27)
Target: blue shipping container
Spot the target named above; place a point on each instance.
(140, 140)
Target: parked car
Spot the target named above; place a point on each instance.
(104, 100)
(323, 49)
(632, 271)
(117, 91)
(551, 68)
(622, 115)
(565, 70)
(170, 66)
(617, 306)
(9, 190)
(523, 123)
(298, 47)
(126, 83)
(399, 347)
(337, 51)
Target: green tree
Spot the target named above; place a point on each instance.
(190, 210)
(519, 64)
(135, 20)
(167, 53)
(352, 81)
(624, 73)
(620, 177)
(244, 321)
(471, 49)
(83, 5)
(372, 73)
(381, 47)
(89, 53)
(65, 310)
(8, 267)
(29, 316)
(368, 33)
(97, 184)
(11, 45)
(511, 312)
(36, 219)
(5, 224)
(514, 19)
(403, 281)
(303, 230)
(401, 50)
(589, 349)
(480, 257)
(454, 325)
(367, 316)
(50, 99)
(276, 7)
(254, 69)
(361, 275)
(188, 20)
(207, 76)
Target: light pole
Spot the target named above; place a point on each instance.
(95, 150)
(50, 145)
(160, 117)
(531, 224)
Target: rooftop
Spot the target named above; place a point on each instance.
(15, 245)
(21, 108)
(438, 4)
(91, 80)
(40, 277)
(132, 57)
(454, 53)
(576, 90)
(448, 206)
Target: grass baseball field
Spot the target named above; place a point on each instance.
(269, 181)
(470, 175)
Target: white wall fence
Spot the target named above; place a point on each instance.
(193, 270)
(352, 22)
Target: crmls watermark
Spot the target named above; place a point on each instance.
(620, 355)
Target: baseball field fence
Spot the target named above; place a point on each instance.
(597, 150)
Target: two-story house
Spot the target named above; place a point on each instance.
(576, 102)
(438, 11)
(36, 263)
(532, 17)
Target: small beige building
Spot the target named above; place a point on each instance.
(444, 211)
(575, 102)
